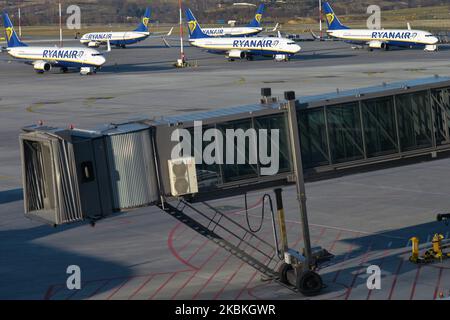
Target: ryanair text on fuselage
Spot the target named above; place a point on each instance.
(62, 54)
(255, 43)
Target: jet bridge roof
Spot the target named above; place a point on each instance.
(314, 100)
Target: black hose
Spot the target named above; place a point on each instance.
(263, 209)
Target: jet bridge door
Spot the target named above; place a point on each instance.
(49, 179)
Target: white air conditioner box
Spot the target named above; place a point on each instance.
(183, 176)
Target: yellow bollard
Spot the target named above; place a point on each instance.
(415, 249)
(437, 245)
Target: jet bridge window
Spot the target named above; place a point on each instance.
(414, 121)
(344, 126)
(241, 149)
(314, 140)
(380, 130)
(271, 123)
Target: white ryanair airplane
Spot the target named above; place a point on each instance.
(253, 28)
(281, 49)
(88, 61)
(122, 39)
(379, 39)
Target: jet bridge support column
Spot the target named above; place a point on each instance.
(298, 172)
(299, 265)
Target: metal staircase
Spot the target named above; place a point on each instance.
(216, 226)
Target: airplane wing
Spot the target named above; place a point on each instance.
(108, 50)
(274, 29)
(315, 36)
(161, 34)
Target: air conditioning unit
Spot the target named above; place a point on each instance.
(183, 176)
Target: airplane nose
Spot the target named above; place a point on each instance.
(101, 60)
(297, 48)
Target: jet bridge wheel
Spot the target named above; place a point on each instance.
(309, 283)
(283, 271)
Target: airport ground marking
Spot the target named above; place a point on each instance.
(346, 257)
(220, 292)
(162, 286)
(197, 271)
(174, 251)
(359, 272)
(394, 282)
(380, 264)
(416, 278)
(438, 284)
(150, 278)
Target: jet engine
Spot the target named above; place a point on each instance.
(281, 57)
(93, 44)
(236, 54)
(378, 45)
(42, 66)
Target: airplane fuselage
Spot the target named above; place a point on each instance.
(115, 38)
(400, 38)
(60, 57)
(232, 32)
(253, 45)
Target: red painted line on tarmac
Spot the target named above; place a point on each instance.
(162, 285)
(195, 273)
(118, 288)
(141, 287)
(347, 256)
(413, 290)
(174, 251)
(246, 285)
(198, 250)
(218, 294)
(184, 246)
(99, 288)
(438, 284)
(333, 244)
(394, 283)
(182, 232)
(50, 293)
(363, 260)
(385, 253)
(212, 276)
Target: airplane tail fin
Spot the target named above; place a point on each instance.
(11, 35)
(256, 22)
(332, 20)
(143, 26)
(195, 31)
